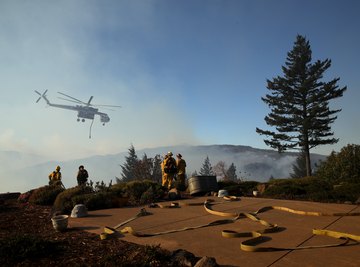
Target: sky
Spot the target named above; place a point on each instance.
(184, 72)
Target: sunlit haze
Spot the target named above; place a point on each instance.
(184, 72)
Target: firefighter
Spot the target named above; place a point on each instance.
(162, 165)
(55, 176)
(180, 166)
(82, 175)
(169, 170)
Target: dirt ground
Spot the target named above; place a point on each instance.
(27, 238)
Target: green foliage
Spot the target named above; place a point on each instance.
(299, 167)
(299, 103)
(64, 203)
(312, 188)
(135, 189)
(45, 195)
(95, 201)
(140, 169)
(130, 165)
(238, 188)
(346, 192)
(206, 168)
(231, 172)
(341, 167)
(15, 249)
(149, 196)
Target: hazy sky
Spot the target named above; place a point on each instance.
(184, 72)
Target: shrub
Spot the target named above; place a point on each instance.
(63, 202)
(341, 167)
(346, 192)
(285, 189)
(119, 189)
(95, 201)
(45, 195)
(135, 189)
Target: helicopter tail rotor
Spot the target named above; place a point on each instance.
(41, 95)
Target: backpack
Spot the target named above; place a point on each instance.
(170, 166)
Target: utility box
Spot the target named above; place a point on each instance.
(200, 184)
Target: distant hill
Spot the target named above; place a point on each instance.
(21, 172)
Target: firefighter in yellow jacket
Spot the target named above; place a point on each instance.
(169, 170)
(55, 176)
(180, 166)
(162, 165)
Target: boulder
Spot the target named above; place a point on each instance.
(79, 211)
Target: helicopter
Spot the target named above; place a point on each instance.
(85, 110)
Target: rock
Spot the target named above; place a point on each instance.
(206, 262)
(348, 202)
(79, 211)
(183, 258)
(357, 202)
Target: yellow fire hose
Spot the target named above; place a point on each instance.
(256, 237)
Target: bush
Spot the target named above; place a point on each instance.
(45, 195)
(312, 188)
(63, 202)
(341, 167)
(152, 194)
(285, 189)
(238, 188)
(346, 192)
(95, 201)
(135, 189)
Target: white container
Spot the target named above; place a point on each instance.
(60, 222)
(255, 193)
(223, 193)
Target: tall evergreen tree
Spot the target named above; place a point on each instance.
(299, 167)
(206, 168)
(145, 168)
(231, 172)
(156, 169)
(299, 103)
(130, 167)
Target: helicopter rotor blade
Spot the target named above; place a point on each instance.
(73, 101)
(88, 103)
(111, 106)
(41, 95)
(79, 101)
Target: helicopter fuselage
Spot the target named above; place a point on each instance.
(84, 112)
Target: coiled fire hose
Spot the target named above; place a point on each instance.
(256, 237)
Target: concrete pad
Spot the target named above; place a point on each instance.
(209, 242)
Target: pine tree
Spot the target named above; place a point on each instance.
(130, 167)
(206, 168)
(299, 103)
(231, 173)
(299, 167)
(156, 169)
(145, 168)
